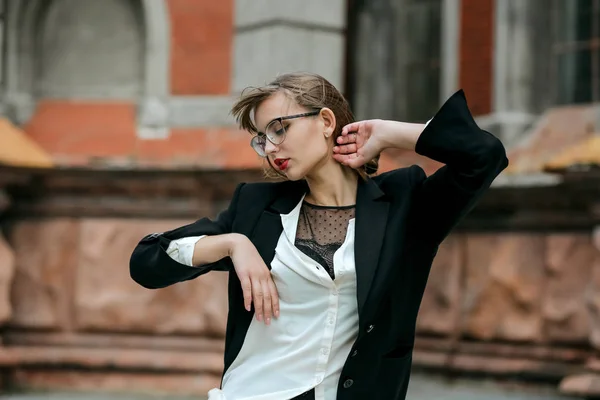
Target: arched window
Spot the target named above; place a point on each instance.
(89, 48)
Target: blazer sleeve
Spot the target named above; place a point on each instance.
(473, 158)
(151, 266)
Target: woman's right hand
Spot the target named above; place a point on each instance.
(256, 280)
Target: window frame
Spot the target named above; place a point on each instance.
(561, 47)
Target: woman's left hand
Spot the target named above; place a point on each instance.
(359, 142)
(362, 141)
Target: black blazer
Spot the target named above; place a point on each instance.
(401, 218)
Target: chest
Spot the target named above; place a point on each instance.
(303, 280)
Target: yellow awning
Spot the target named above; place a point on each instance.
(586, 152)
(17, 149)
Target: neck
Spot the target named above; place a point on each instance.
(332, 185)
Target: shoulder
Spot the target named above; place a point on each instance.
(400, 179)
(265, 191)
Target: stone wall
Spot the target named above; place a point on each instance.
(505, 296)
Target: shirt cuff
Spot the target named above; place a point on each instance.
(182, 250)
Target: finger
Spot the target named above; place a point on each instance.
(247, 291)
(257, 294)
(349, 138)
(351, 160)
(267, 306)
(274, 298)
(346, 149)
(353, 127)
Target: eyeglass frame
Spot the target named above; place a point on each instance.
(280, 120)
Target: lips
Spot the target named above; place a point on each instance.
(281, 163)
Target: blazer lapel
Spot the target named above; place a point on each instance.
(371, 217)
(268, 228)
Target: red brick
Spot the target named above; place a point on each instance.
(477, 53)
(64, 127)
(213, 148)
(201, 46)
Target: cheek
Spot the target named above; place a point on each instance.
(308, 148)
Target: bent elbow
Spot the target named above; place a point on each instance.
(493, 160)
(140, 272)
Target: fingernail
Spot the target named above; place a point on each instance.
(268, 321)
(247, 308)
(259, 317)
(276, 314)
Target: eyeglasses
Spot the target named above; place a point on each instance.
(275, 132)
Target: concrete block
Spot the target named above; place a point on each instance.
(194, 111)
(253, 13)
(262, 54)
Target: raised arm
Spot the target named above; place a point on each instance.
(472, 158)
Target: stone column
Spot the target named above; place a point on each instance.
(515, 68)
(274, 37)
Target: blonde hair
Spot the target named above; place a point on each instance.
(308, 90)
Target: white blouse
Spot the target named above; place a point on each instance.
(307, 346)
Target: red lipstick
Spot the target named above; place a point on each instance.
(281, 163)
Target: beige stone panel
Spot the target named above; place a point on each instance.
(46, 256)
(107, 299)
(161, 386)
(441, 301)
(504, 284)
(569, 259)
(593, 295)
(7, 272)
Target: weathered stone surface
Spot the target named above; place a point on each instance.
(46, 256)
(593, 301)
(7, 271)
(119, 382)
(569, 259)
(441, 301)
(103, 358)
(585, 384)
(107, 299)
(504, 285)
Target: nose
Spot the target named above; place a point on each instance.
(270, 148)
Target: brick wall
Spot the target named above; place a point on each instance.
(201, 46)
(80, 131)
(477, 53)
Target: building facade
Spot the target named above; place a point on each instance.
(116, 124)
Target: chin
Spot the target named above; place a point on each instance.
(294, 175)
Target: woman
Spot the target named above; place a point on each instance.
(331, 263)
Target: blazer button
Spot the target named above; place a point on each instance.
(370, 328)
(348, 383)
(354, 353)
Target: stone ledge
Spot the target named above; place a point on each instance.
(129, 341)
(134, 360)
(167, 385)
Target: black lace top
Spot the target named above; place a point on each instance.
(321, 231)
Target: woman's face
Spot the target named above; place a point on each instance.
(307, 145)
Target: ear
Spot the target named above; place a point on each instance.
(329, 122)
